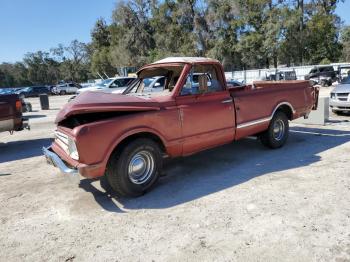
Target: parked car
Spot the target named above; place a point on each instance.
(154, 84)
(4, 91)
(343, 72)
(340, 96)
(32, 91)
(9, 91)
(66, 88)
(234, 83)
(11, 118)
(90, 82)
(322, 75)
(281, 74)
(110, 85)
(124, 138)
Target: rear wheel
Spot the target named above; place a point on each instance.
(336, 112)
(136, 168)
(277, 133)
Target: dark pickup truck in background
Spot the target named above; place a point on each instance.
(11, 118)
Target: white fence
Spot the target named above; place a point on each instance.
(248, 76)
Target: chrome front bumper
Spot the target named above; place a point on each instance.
(339, 105)
(53, 159)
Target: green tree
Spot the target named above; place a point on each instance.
(74, 61)
(101, 58)
(41, 68)
(132, 33)
(322, 36)
(345, 41)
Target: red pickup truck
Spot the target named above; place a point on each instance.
(11, 118)
(125, 137)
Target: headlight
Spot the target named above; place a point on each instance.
(72, 149)
(332, 95)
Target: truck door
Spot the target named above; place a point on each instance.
(206, 110)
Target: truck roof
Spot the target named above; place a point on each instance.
(186, 60)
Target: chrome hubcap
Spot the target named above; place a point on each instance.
(278, 130)
(141, 167)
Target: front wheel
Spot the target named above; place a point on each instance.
(136, 168)
(277, 133)
(337, 112)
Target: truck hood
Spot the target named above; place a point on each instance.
(342, 88)
(94, 102)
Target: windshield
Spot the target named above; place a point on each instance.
(345, 80)
(155, 81)
(105, 82)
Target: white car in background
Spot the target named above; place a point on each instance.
(110, 85)
(66, 88)
(154, 84)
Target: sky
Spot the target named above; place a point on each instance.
(33, 25)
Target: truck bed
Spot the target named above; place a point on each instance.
(256, 103)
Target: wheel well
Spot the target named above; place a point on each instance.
(148, 135)
(287, 110)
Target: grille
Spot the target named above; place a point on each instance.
(62, 140)
(342, 96)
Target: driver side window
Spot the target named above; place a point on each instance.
(202, 79)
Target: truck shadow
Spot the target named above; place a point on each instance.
(215, 170)
(23, 149)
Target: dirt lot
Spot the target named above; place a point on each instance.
(239, 202)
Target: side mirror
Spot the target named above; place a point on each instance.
(157, 84)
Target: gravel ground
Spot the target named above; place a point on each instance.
(239, 202)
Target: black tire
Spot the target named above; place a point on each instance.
(277, 133)
(120, 174)
(337, 112)
(62, 92)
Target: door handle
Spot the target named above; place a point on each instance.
(226, 101)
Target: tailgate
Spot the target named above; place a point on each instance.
(7, 106)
